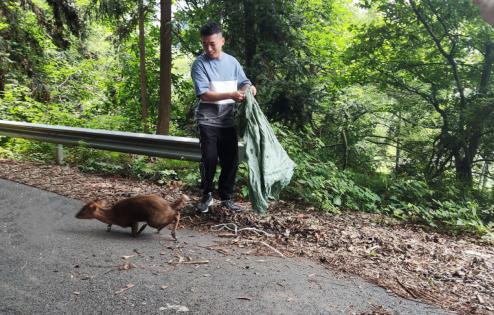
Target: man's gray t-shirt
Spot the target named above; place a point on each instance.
(224, 74)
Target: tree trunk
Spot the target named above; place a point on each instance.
(346, 148)
(464, 171)
(2, 83)
(163, 125)
(484, 176)
(398, 149)
(485, 77)
(142, 70)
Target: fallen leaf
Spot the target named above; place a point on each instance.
(178, 308)
(126, 266)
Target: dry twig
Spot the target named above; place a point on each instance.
(265, 244)
(236, 230)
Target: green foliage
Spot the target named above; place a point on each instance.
(39, 81)
(33, 150)
(160, 171)
(242, 182)
(321, 182)
(16, 104)
(329, 188)
(409, 191)
(413, 200)
(448, 215)
(434, 53)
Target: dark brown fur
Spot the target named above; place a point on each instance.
(152, 209)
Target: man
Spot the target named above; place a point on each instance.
(219, 82)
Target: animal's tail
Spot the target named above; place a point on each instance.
(180, 202)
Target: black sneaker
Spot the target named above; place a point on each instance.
(230, 205)
(206, 201)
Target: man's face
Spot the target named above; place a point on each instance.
(212, 45)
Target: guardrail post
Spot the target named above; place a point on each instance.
(59, 154)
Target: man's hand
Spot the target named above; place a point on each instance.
(238, 96)
(254, 90)
(247, 86)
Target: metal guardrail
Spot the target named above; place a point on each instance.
(178, 148)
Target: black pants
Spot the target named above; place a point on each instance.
(218, 143)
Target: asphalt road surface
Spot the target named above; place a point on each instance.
(53, 263)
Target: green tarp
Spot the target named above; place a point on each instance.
(270, 167)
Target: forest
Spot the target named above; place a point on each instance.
(385, 106)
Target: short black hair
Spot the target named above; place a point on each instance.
(210, 28)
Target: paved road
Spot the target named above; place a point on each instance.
(52, 263)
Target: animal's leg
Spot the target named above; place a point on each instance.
(142, 228)
(134, 227)
(108, 228)
(175, 226)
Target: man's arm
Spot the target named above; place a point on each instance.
(211, 96)
(237, 96)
